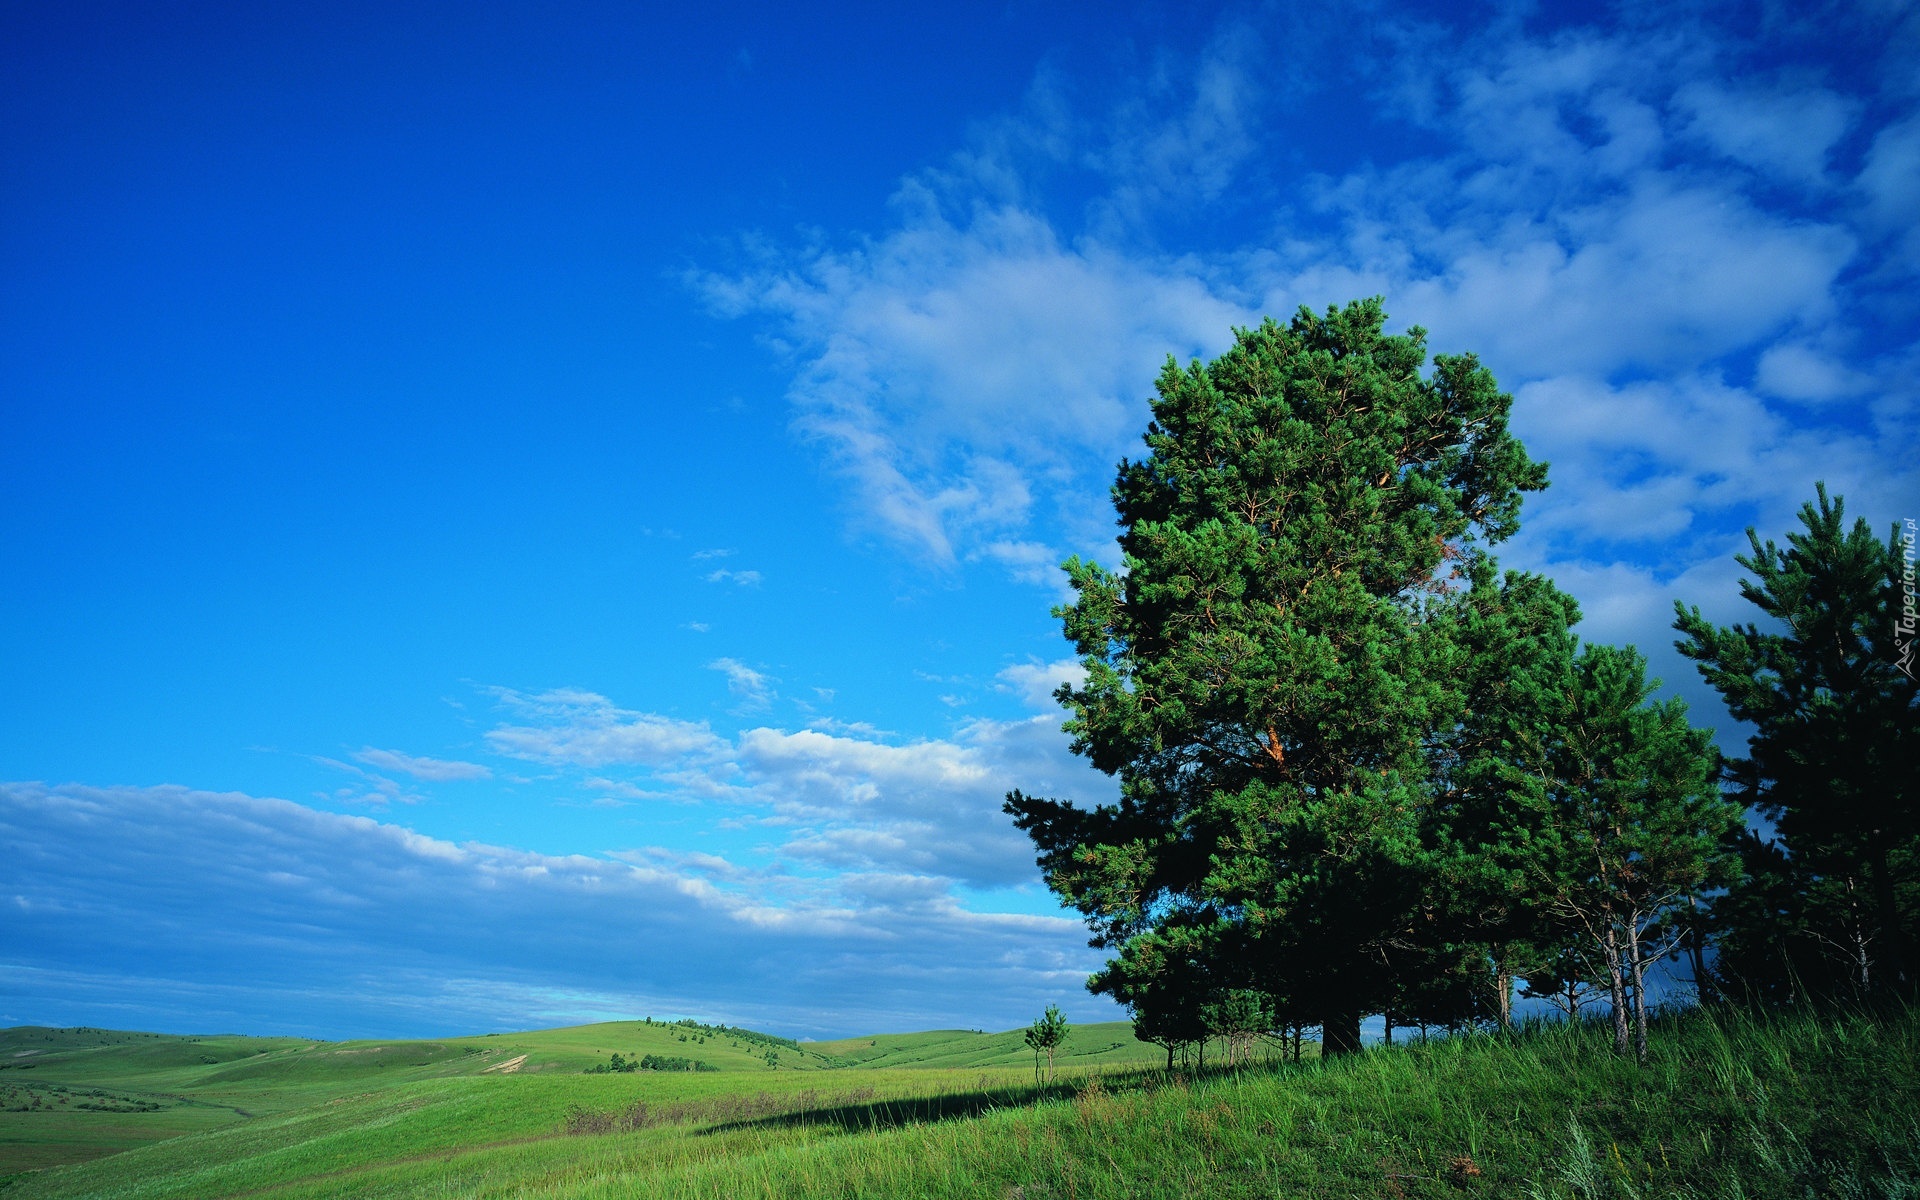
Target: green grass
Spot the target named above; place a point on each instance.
(163, 1086)
(1105, 1044)
(1730, 1106)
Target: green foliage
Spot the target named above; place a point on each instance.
(1045, 1036)
(1637, 822)
(1490, 809)
(1269, 673)
(619, 1065)
(1831, 762)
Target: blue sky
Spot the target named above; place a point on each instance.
(519, 515)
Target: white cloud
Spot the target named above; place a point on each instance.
(1035, 682)
(1649, 461)
(1890, 180)
(1601, 216)
(975, 369)
(1788, 133)
(1030, 562)
(1889, 185)
(961, 371)
(373, 790)
(1162, 156)
(737, 578)
(752, 688)
(434, 770)
(1797, 371)
(846, 796)
(585, 729)
(230, 910)
(929, 808)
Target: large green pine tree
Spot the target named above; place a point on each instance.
(1832, 760)
(1270, 672)
(1491, 791)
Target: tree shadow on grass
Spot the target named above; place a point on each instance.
(863, 1109)
(864, 1115)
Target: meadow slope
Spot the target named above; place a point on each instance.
(1730, 1106)
(70, 1095)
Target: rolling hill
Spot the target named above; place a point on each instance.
(69, 1095)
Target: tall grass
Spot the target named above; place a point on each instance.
(1730, 1105)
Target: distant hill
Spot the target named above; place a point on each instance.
(1110, 1042)
(68, 1095)
(1731, 1106)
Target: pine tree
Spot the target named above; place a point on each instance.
(1046, 1035)
(1638, 823)
(1832, 759)
(1268, 673)
(1491, 789)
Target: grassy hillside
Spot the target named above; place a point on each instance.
(1107, 1044)
(69, 1095)
(1795, 1107)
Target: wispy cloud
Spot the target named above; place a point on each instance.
(1678, 261)
(753, 689)
(313, 922)
(373, 789)
(433, 770)
(737, 578)
(845, 796)
(585, 729)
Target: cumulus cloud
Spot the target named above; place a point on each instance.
(840, 797)
(320, 923)
(1035, 682)
(1679, 265)
(1798, 371)
(1890, 179)
(1787, 132)
(927, 808)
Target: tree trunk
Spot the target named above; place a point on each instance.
(1638, 966)
(1503, 985)
(1339, 1034)
(1703, 989)
(1610, 946)
(1895, 963)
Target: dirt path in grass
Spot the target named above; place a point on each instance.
(506, 1068)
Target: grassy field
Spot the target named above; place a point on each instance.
(1732, 1106)
(70, 1095)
